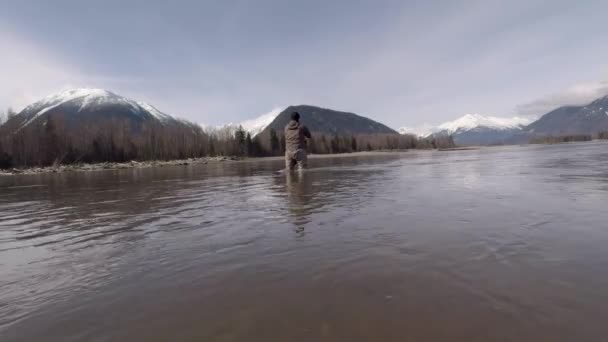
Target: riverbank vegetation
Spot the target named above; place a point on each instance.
(59, 141)
(551, 139)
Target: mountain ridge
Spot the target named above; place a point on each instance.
(88, 104)
(591, 119)
(328, 121)
(474, 129)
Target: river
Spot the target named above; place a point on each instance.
(496, 244)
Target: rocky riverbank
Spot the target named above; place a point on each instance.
(112, 166)
(184, 162)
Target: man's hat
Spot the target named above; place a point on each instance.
(295, 116)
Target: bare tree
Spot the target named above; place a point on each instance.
(58, 140)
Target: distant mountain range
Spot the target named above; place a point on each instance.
(80, 107)
(475, 129)
(470, 129)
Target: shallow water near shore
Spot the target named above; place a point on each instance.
(494, 244)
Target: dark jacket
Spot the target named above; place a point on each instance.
(295, 134)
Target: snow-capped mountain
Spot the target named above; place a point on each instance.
(95, 125)
(87, 104)
(257, 125)
(470, 122)
(474, 129)
(252, 126)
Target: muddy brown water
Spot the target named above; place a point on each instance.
(496, 244)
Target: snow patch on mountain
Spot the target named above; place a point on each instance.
(155, 112)
(472, 121)
(467, 123)
(87, 97)
(257, 125)
(420, 131)
(68, 95)
(252, 126)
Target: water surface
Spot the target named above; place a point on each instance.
(502, 244)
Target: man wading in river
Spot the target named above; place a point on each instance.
(295, 143)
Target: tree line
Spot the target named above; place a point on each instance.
(238, 142)
(555, 139)
(326, 143)
(60, 141)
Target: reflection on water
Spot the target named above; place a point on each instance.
(501, 243)
(299, 192)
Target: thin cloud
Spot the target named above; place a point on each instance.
(31, 73)
(578, 94)
(395, 62)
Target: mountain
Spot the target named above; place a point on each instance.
(328, 121)
(474, 129)
(589, 119)
(94, 125)
(470, 122)
(80, 106)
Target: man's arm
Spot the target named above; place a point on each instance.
(307, 133)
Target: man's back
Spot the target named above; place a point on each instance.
(295, 136)
(295, 143)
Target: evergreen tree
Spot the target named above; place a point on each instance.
(249, 145)
(274, 142)
(240, 140)
(5, 159)
(258, 150)
(282, 144)
(335, 144)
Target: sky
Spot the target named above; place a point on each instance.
(404, 63)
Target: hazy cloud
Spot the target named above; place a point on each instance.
(400, 62)
(30, 73)
(578, 94)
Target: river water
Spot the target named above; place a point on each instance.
(496, 244)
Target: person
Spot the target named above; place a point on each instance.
(295, 143)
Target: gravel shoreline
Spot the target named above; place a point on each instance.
(83, 167)
(86, 167)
